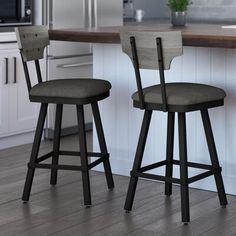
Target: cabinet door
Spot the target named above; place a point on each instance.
(4, 92)
(22, 114)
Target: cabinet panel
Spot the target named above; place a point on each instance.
(4, 91)
(23, 112)
(17, 114)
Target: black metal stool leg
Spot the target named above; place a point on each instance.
(56, 143)
(214, 157)
(84, 156)
(102, 144)
(183, 168)
(169, 151)
(138, 160)
(35, 151)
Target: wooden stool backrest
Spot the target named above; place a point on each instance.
(146, 46)
(32, 40)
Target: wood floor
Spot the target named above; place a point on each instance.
(59, 210)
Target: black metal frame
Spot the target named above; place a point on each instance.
(141, 103)
(137, 72)
(184, 180)
(35, 160)
(167, 179)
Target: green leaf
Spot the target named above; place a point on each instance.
(178, 5)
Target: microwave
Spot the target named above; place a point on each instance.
(16, 12)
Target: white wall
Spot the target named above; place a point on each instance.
(153, 8)
(199, 10)
(217, 10)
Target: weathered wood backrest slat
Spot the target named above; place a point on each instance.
(32, 41)
(147, 47)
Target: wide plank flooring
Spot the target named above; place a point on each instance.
(59, 210)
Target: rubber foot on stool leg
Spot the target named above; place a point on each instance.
(88, 206)
(185, 223)
(127, 211)
(223, 206)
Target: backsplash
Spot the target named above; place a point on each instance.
(216, 10)
(199, 10)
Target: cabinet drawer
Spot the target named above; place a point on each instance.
(8, 41)
(70, 68)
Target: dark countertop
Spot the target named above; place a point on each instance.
(194, 34)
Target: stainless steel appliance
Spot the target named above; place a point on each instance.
(15, 12)
(72, 59)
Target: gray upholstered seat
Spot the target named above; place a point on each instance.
(182, 94)
(81, 91)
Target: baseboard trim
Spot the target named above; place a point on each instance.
(49, 132)
(16, 140)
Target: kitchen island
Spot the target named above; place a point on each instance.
(197, 35)
(209, 57)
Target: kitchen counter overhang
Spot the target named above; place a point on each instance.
(197, 35)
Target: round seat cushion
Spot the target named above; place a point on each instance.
(182, 94)
(80, 89)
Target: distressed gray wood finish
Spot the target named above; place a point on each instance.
(147, 46)
(59, 211)
(32, 41)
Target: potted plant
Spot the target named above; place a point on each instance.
(178, 11)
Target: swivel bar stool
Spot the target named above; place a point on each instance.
(156, 50)
(32, 41)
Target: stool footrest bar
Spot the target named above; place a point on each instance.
(44, 157)
(176, 180)
(175, 162)
(203, 175)
(97, 162)
(65, 167)
(152, 166)
(56, 167)
(156, 177)
(194, 165)
(74, 153)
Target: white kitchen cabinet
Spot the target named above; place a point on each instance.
(17, 114)
(4, 91)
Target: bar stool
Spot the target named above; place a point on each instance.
(32, 42)
(156, 50)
